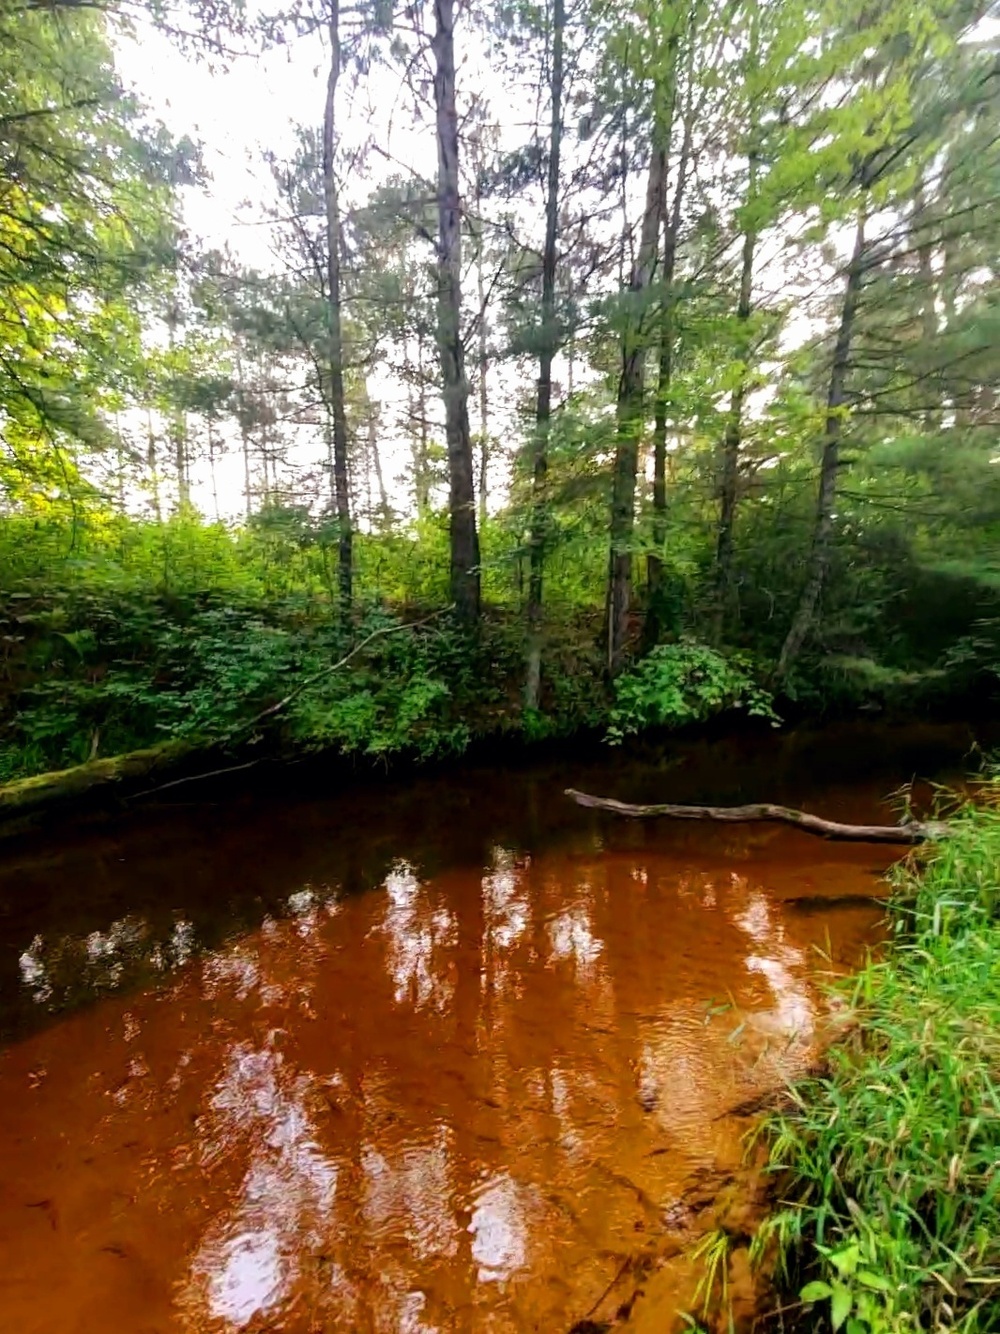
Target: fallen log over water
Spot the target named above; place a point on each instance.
(171, 763)
(913, 831)
(25, 796)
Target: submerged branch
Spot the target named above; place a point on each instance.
(912, 832)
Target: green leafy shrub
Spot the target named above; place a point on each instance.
(684, 683)
(397, 696)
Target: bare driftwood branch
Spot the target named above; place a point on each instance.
(193, 778)
(912, 832)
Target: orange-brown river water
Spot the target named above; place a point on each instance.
(449, 1054)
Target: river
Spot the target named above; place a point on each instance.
(447, 1053)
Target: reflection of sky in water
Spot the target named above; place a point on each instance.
(562, 1089)
(431, 1173)
(411, 1192)
(793, 1014)
(408, 1320)
(33, 971)
(571, 937)
(249, 1279)
(499, 1230)
(505, 907)
(100, 961)
(414, 934)
(249, 1259)
(680, 1060)
(236, 972)
(60, 968)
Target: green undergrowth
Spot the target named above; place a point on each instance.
(100, 675)
(118, 633)
(93, 670)
(889, 1163)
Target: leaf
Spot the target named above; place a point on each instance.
(80, 641)
(816, 1291)
(846, 1261)
(877, 1281)
(840, 1305)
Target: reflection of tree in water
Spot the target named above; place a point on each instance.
(417, 933)
(457, 1100)
(60, 972)
(250, 1259)
(262, 1116)
(64, 970)
(322, 1208)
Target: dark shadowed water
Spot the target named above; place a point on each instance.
(449, 1054)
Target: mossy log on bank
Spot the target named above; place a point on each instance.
(167, 761)
(28, 795)
(914, 831)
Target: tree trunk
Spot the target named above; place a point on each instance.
(246, 472)
(549, 345)
(733, 439)
(423, 481)
(211, 469)
(265, 464)
(464, 539)
(416, 409)
(376, 461)
(802, 622)
(179, 430)
(178, 423)
(151, 464)
(341, 482)
(764, 812)
(928, 283)
(654, 561)
(241, 410)
(121, 459)
(25, 796)
(484, 415)
(629, 416)
(369, 509)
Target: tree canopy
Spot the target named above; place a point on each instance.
(668, 325)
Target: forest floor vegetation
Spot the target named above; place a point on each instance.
(190, 633)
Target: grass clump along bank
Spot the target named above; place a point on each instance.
(890, 1162)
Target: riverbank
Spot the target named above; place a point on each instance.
(728, 760)
(99, 672)
(889, 1196)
